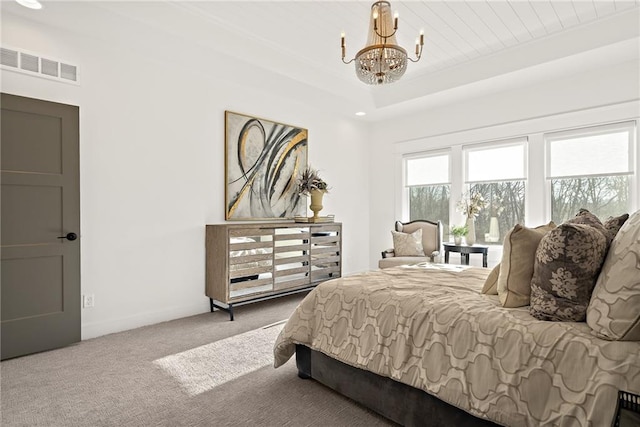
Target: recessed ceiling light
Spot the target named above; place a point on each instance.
(31, 4)
(361, 113)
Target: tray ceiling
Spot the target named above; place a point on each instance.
(471, 47)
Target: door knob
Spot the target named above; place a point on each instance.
(69, 236)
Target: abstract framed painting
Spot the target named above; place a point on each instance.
(262, 162)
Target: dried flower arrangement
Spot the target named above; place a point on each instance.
(309, 180)
(471, 206)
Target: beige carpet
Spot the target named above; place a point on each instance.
(203, 368)
(198, 371)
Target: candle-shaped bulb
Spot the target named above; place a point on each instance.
(375, 19)
(417, 47)
(421, 37)
(395, 20)
(342, 39)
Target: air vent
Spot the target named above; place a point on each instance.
(29, 62)
(35, 65)
(9, 57)
(68, 72)
(49, 67)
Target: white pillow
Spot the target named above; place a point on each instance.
(405, 244)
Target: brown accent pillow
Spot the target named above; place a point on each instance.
(568, 261)
(491, 284)
(407, 244)
(586, 217)
(613, 225)
(516, 267)
(614, 310)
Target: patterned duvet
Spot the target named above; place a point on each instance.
(431, 328)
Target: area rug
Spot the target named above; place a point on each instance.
(202, 368)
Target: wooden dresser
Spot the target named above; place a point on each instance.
(248, 262)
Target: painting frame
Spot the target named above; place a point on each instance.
(262, 161)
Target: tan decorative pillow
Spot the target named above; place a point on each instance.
(405, 244)
(491, 284)
(568, 261)
(516, 267)
(614, 310)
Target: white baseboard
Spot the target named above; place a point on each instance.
(96, 329)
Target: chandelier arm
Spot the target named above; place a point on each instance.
(349, 61)
(418, 56)
(414, 60)
(395, 30)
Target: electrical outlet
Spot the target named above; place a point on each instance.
(87, 301)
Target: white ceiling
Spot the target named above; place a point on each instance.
(471, 47)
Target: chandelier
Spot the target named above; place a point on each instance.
(382, 60)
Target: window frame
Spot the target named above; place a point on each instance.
(517, 141)
(538, 188)
(510, 142)
(632, 126)
(406, 208)
(629, 126)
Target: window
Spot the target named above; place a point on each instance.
(498, 173)
(429, 183)
(590, 168)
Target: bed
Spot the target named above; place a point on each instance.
(423, 346)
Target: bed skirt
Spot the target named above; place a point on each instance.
(396, 401)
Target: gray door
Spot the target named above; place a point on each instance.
(40, 288)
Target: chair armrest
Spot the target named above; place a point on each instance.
(434, 255)
(388, 253)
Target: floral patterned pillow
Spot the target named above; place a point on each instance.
(587, 218)
(613, 224)
(568, 261)
(405, 244)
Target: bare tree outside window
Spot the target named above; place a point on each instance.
(430, 202)
(604, 196)
(497, 172)
(591, 168)
(505, 208)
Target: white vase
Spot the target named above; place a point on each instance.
(471, 235)
(494, 230)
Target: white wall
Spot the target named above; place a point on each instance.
(152, 162)
(602, 95)
(152, 147)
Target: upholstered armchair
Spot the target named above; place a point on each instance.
(407, 238)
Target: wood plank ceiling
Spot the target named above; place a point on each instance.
(455, 31)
